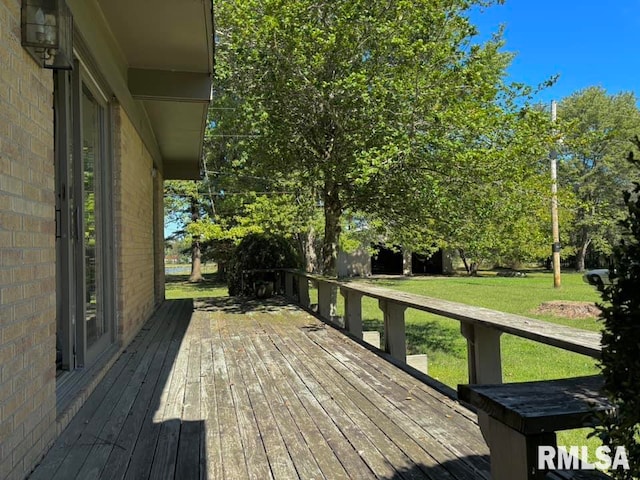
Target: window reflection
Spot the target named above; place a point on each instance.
(91, 152)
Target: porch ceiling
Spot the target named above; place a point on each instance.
(168, 47)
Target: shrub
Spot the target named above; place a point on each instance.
(621, 339)
(258, 251)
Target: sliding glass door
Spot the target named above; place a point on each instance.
(85, 306)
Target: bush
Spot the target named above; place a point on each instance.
(258, 251)
(621, 340)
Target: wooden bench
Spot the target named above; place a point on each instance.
(517, 418)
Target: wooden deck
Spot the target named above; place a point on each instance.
(234, 391)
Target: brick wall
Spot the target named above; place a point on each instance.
(27, 253)
(134, 230)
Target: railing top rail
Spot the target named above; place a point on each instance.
(567, 338)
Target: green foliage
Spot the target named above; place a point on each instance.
(240, 199)
(621, 337)
(596, 128)
(259, 252)
(386, 108)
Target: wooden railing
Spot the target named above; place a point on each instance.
(481, 327)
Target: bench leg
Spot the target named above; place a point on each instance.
(514, 456)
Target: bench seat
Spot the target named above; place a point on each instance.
(517, 418)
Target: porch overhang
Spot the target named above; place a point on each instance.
(168, 50)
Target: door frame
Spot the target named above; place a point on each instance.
(70, 221)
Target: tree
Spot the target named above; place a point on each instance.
(596, 130)
(620, 362)
(241, 200)
(182, 204)
(377, 106)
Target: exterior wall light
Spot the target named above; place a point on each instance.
(47, 33)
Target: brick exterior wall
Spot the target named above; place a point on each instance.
(27, 253)
(134, 230)
(28, 423)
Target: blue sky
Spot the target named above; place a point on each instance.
(587, 43)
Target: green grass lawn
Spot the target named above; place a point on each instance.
(440, 338)
(178, 286)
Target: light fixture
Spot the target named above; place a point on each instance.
(47, 32)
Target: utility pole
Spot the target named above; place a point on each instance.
(555, 247)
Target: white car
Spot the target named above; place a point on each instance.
(597, 277)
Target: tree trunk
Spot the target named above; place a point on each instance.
(196, 262)
(464, 261)
(196, 254)
(407, 264)
(473, 269)
(582, 254)
(309, 251)
(332, 214)
(222, 271)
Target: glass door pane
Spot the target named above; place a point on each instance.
(92, 115)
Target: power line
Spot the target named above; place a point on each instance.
(234, 136)
(227, 194)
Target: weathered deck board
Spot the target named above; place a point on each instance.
(141, 460)
(83, 433)
(382, 453)
(385, 380)
(302, 412)
(233, 461)
(117, 462)
(379, 403)
(249, 409)
(294, 388)
(248, 390)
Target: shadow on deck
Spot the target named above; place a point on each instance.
(233, 390)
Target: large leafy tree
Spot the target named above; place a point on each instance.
(386, 108)
(597, 129)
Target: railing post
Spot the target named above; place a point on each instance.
(327, 295)
(288, 284)
(303, 291)
(483, 353)
(394, 330)
(352, 312)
